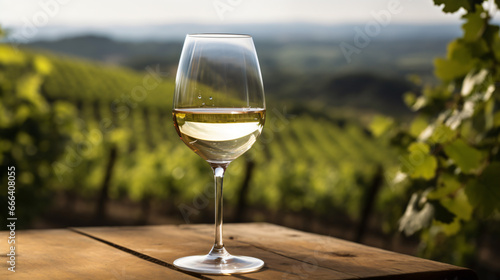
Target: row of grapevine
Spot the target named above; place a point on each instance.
(302, 163)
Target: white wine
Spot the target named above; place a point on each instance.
(219, 135)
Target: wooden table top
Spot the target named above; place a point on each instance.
(147, 252)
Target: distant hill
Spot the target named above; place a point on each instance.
(295, 70)
(369, 90)
(110, 51)
(263, 31)
(408, 53)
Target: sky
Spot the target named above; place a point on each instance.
(145, 12)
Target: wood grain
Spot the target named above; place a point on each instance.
(64, 254)
(288, 254)
(355, 259)
(168, 243)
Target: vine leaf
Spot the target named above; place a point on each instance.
(491, 34)
(418, 163)
(441, 213)
(418, 125)
(448, 70)
(466, 157)
(447, 184)
(457, 116)
(380, 125)
(484, 193)
(458, 204)
(496, 119)
(414, 219)
(442, 134)
(475, 25)
(451, 6)
(458, 62)
(42, 65)
(472, 80)
(450, 228)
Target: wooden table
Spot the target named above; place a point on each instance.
(147, 252)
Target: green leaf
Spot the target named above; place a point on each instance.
(466, 52)
(490, 34)
(474, 26)
(441, 213)
(489, 107)
(451, 6)
(447, 70)
(496, 46)
(418, 163)
(448, 229)
(9, 56)
(438, 92)
(419, 147)
(484, 193)
(42, 65)
(409, 98)
(447, 184)
(380, 125)
(496, 119)
(477, 50)
(28, 89)
(458, 204)
(458, 116)
(466, 157)
(472, 80)
(459, 50)
(427, 169)
(418, 125)
(415, 218)
(419, 103)
(442, 134)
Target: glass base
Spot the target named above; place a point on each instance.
(219, 261)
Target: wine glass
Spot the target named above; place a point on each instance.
(218, 112)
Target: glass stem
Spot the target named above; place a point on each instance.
(218, 176)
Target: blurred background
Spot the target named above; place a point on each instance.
(85, 117)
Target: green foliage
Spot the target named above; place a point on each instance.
(32, 130)
(450, 153)
(304, 162)
(467, 158)
(121, 88)
(418, 214)
(452, 6)
(420, 163)
(484, 193)
(380, 125)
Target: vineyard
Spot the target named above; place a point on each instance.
(94, 143)
(124, 142)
